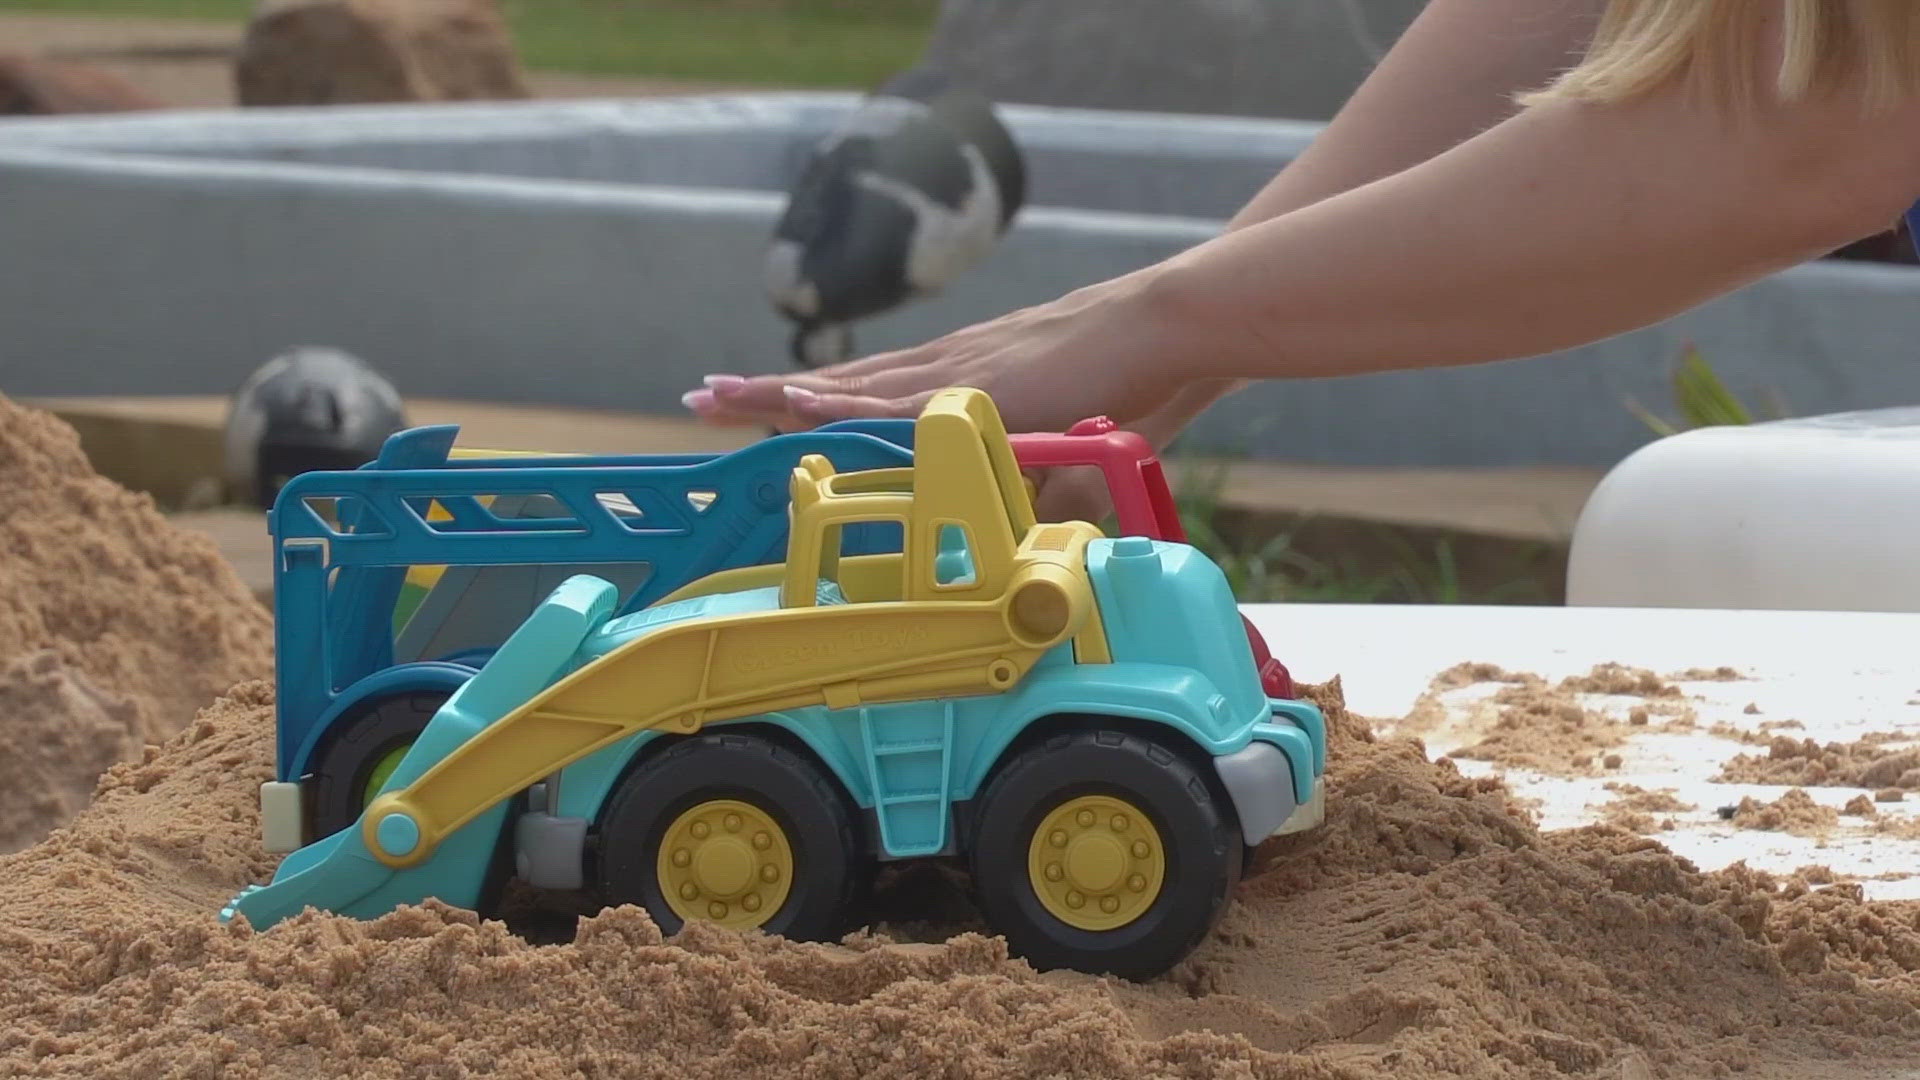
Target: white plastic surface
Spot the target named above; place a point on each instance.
(1813, 514)
(1840, 674)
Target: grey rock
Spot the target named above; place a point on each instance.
(337, 52)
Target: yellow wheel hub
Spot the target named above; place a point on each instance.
(727, 862)
(1096, 862)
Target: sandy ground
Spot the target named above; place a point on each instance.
(185, 63)
(1429, 927)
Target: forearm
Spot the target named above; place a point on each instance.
(1451, 75)
(1561, 226)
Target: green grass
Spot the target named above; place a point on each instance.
(1299, 560)
(799, 43)
(826, 43)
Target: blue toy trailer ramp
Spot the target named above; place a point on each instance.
(499, 533)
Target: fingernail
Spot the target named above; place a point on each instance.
(800, 395)
(725, 382)
(697, 400)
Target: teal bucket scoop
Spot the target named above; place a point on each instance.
(339, 874)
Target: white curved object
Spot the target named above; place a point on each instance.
(1821, 513)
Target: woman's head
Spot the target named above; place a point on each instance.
(1748, 51)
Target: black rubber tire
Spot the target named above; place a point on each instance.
(791, 789)
(346, 760)
(1196, 827)
(341, 768)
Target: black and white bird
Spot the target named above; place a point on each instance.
(909, 193)
(306, 409)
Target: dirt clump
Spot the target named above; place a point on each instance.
(1429, 712)
(1635, 797)
(1718, 674)
(116, 627)
(1621, 681)
(1529, 723)
(1545, 732)
(1635, 808)
(1868, 762)
(1794, 812)
(1427, 929)
(1740, 735)
(1808, 878)
(1461, 676)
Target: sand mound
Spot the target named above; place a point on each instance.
(1638, 810)
(116, 626)
(1865, 763)
(58, 733)
(1794, 812)
(1429, 929)
(1556, 728)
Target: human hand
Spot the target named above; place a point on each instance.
(1105, 349)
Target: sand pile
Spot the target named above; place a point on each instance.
(1794, 812)
(1868, 762)
(115, 628)
(1557, 728)
(1427, 930)
(1639, 810)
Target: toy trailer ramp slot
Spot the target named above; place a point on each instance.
(463, 612)
(347, 540)
(914, 677)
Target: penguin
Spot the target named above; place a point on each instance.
(309, 408)
(909, 193)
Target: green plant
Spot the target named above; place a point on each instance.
(1264, 566)
(1701, 397)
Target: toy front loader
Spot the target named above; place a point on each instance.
(537, 706)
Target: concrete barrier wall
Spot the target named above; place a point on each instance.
(608, 254)
(1127, 162)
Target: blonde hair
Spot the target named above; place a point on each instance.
(1863, 47)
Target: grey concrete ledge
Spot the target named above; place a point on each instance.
(607, 254)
